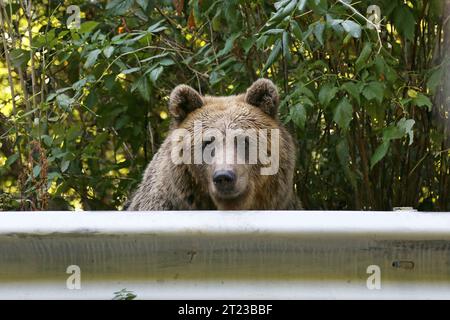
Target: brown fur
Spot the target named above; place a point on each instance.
(168, 186)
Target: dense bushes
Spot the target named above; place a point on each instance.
(87, 107)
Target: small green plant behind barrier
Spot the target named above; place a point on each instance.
(124, 294)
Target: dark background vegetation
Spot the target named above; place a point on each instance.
(83, 110)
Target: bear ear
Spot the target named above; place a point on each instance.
(183, 100)
(264, 95)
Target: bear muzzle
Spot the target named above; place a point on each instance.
(224, 183)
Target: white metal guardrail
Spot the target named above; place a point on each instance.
(225, 255)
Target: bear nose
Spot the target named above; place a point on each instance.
(224, 179)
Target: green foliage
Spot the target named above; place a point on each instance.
(367, 109)
(124, 294)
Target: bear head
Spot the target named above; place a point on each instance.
(234, 148)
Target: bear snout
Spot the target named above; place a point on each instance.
(224, 181)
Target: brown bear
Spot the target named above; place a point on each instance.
(178, 178)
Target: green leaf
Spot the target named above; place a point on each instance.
(285, 45)
(343, 154)
(41, 40)
(12, 159)
(142, 3)
(155, 28)
(374, 91)
(284, 8)
(423, 101)
(298, 115)
(61, 90)
(65, 165)
(406, 125)
(279, 4)
(52, 175)
(353, 90)
(138, 12)
(379, 153)
(361, 62)
(108, 51)
(327, 93)
(228, 45)
(143, 87)
(119, 39)
(119, 7)
(100, 139)
(296, 30)
(336, 24)
(166, 62)
(392, 132)
(404, 21)
(122, 121)
(77, 86)
(92, 98)
(343, 114)
(51, 96)
(216, 76)
(301, 5)
(273, 31)
(319, 7)
(91, 58)
(36, 171)
(273, 55)
(352, 28)
(216, 21)
(318, 29)
(19, 57)
(128, 71)
(247, 44)
(155, 73)
(88, 26)
(64, 101)
(47, 140)
(303, 90)
(412, 93)
(153, 57)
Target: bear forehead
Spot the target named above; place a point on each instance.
(230, 115)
